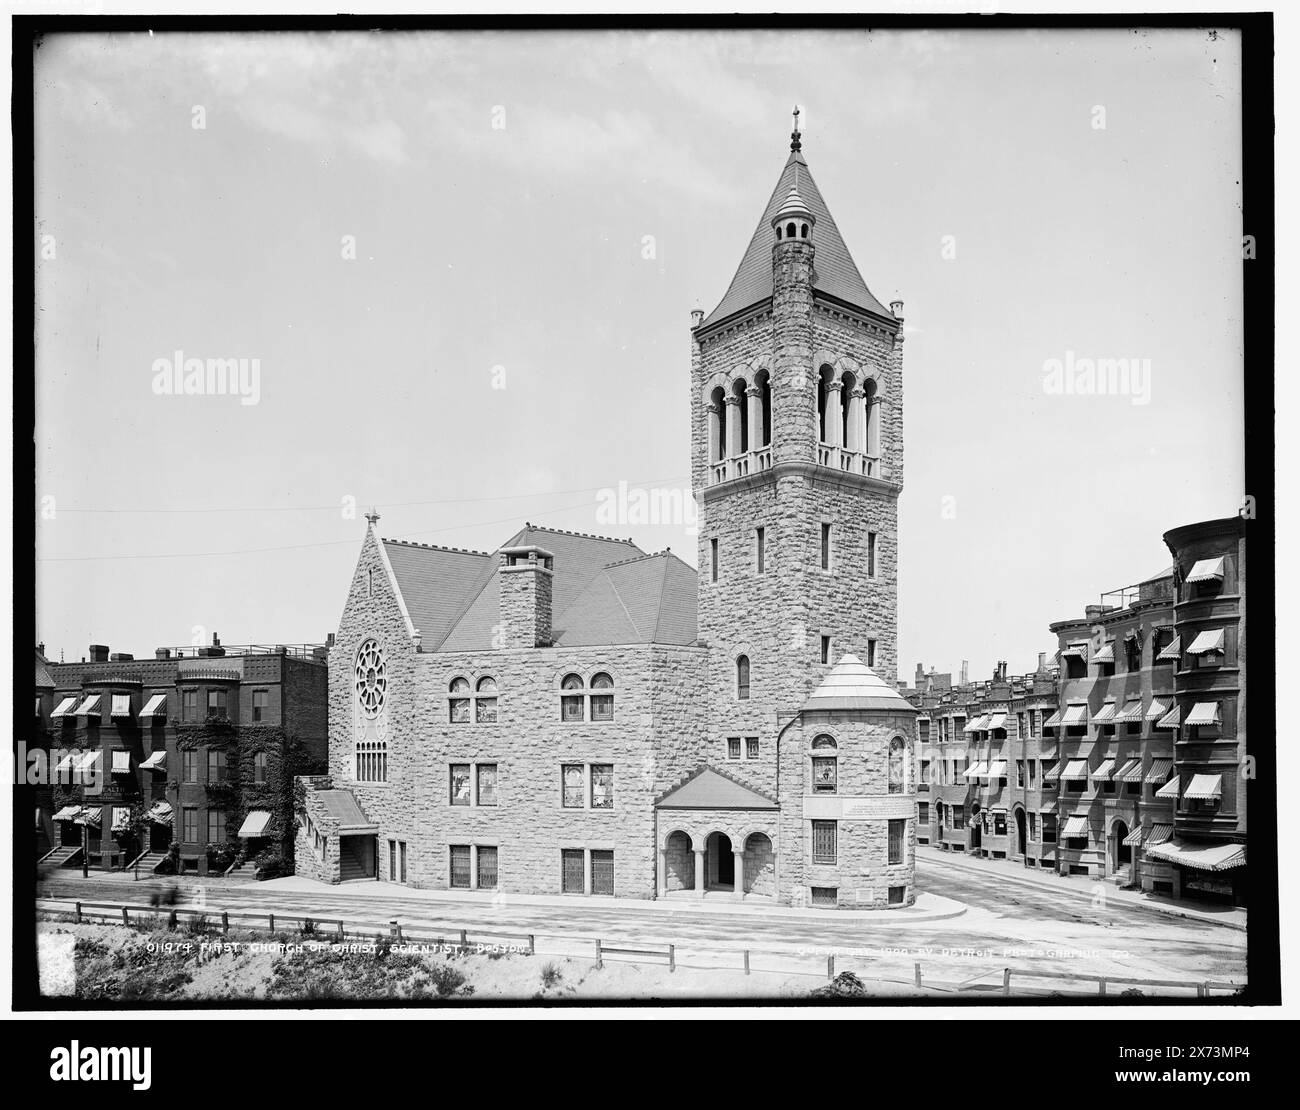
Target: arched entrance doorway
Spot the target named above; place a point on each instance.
(679, 863)
(760, 865)
(719, 863)
(1020, 832)
(1123, 854)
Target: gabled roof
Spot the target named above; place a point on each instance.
(436, 583)
(834, 272)
(708, 788)
(647, 600)
(851, 684)
(44, 680)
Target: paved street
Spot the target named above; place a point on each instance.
(1045, 928)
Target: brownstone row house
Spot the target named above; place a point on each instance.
(182, 761)
(570, 714)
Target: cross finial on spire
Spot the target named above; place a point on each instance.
(795, 144)
(372, 516)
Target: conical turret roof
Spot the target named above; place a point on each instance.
(851, 684)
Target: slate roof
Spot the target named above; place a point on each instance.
(834, 272)
(851, 684)
(708, 788)
(44, 680)
(343, 807)
(604, 591)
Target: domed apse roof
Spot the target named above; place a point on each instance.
(851, 684)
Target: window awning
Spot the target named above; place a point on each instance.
(1204, 713)
(1105, 714)
(67, 813)
(156, 707)
(89, 707)
(1135, 837)
(88, 762)
(1209, 640)
(1053, 721)
(1104, 770)
(1202, 857)
(1206, 570)
(1159, 771)
(1157, 709)
(978, 771)
(1106, 654)
(255, 823)
(1080, 649)
(1130, 772)
(996, 720)
(1074, 826)
(121, 705)
(997, 769)
(121, 762)
(64, 764)
(1075, 715)
(1204, 788)
(1170, 719)
(1076, 769)
(121, 819)
(1052, 773)
(1160, 832)
(160, 813)
(1173, 651)
(1169, 790)
(1131, 713)
(90, 816)
(157, 761)
(63, 708)
(977, 724)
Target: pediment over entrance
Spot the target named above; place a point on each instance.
(708, 788)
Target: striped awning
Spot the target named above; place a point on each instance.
(156, 707)
(255, 823)
(89, 707)
(88, 762)
(67, 813)
(979, 770)
(1209, 640)
(157, 761)
(1160, 832)
(1204, 713)
(121, 762)
(121, 706)
(1075, 715)
(121, 819)
(1202, 857)
(90, 816)
(1079, 648)
(1172, 652)
(996, 720)
(1106, 654)
(1053, 721)
(1170, 719)
(160, 813)
(1206, 570)
(1131, 713)
(1105, 714)
(1052, 773)
(1074, 826)
(977, 724)
(1204, 788)
(1135, 837)
(1157, 709)
(64, 764)
(1104, 770)
(1159, 771)
(63, 708)
(997, 769)
(1130, 772)
(1169, 790)
(1076, 769)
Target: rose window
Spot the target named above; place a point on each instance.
(371, 679)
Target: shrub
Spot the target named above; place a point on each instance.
(551, 976)
(448, 981)
(844, 985)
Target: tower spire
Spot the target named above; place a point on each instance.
(795, 144)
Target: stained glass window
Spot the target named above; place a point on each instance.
(571, 776)
(602, 786)
(602, 704)
(460, 784)
(487, 784)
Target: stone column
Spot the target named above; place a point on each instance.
(586, 871)
(733, 426)
(834, 431)
(873, 427)
(738, 855)
(713, 415)
(473, 867)
(663, 872)
(755, 397)
(857, 419)
(699, 872)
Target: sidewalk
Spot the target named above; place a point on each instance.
(1081, 886)
(928, 907)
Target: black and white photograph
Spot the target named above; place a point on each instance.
(645, 513)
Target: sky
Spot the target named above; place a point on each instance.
(465, 265)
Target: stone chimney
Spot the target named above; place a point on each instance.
(525, 579)
(965, 672)
(162, 653)
(1042, 661)
(99, 653)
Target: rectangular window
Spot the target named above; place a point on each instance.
(957, 815)
(460, 866)
(1033, 826)
(571, 708)
(823, 842)
(487, 868)
(733, 747)
(923, 812)
(1020, 773)
(401, 861)
(259, 767)
(897, 895)
(713, 560)
(216, 703)
(1033, 765)
(189, 765)
(602, 872)
(459, 711)
(392, 861)
(825, 895)
(826, 547)
(602, 707)
(824, 774)
(460, 784)
(259, 705)
(751, 747)
(1133, 654)
(190, 824)
(897, 830)
(485, 711)
(925, 772)
(1034, 718)
(826, 649)
(602, 786)
(216, 765)
(216, 826)
(999, 824)
(189, 705)
(760, 553)
(571, 776)
(486, 774)
(573, 869)
(871, 653)
(1049, 828)
(871, 554)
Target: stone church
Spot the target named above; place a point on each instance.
(572, 715)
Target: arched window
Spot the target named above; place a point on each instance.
(823, 394)
(742, 677)
(825, 767)
(485, 701)
(778, 231)
(789, 230)
(872, 403)
(847, 435)
(739, 389)
(459, 701)
(602, 704)
(803, 230)
(572, 707)
(718, 401)
(897, 768)
(763, 434)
